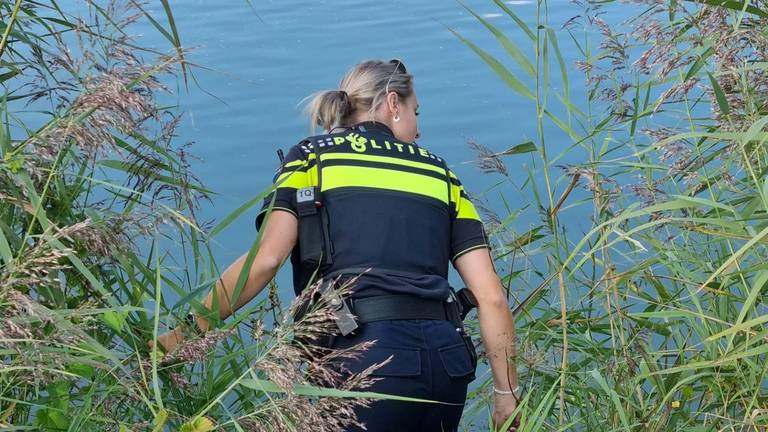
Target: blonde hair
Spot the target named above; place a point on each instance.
(363, 88)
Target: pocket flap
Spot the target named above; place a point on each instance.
(456, 360)
(404, 362)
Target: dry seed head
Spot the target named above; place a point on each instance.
(197, 349)
(487, 160)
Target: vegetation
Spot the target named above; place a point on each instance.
(98, 228)
(651, 317)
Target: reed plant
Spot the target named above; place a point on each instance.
(640, 288)
(101, 249)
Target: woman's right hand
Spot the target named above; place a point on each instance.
(170, 340)
(503, 407)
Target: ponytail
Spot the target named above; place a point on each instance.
(330, 109)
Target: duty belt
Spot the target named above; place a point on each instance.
(397, 307)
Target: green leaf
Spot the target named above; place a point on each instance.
(614, 397)
(226, 221)
(703, 202)
(735, 5)
(508, 77)
(160, 418)
(563, 69)
(672, 314)
(146, 173)
(520, 23)
(735, 256)
(526, 238)
(765, 192)
(200, 424)
(176, 40)
(722, 102)
(698, 64)
(83, 370)
(115, 319)
(758, 286)
(509, 46)
(5, 251)
(8, 75)
(564, 127)
(307, 390)
(746, 325)
(526, 147)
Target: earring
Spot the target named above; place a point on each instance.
(396, 118)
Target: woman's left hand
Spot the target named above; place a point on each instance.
(169, 340)
(503, 407)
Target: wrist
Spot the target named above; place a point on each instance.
(516, 392)
(202, 323)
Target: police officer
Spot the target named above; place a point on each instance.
(364, 198)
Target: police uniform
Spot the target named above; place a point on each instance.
(398, 209)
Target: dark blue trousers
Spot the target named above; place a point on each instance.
(430, 361)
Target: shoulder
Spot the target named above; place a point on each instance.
(305, 147)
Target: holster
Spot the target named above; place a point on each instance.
(456, 313)
(315, 247)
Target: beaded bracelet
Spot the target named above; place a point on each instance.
(517, 392)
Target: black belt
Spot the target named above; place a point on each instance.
(397, 307)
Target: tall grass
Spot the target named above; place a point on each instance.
(98, 228)
(652, 316)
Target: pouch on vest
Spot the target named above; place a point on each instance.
(456, 310)
(314, 242)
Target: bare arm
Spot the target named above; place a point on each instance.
(497, 328)
(280, 232)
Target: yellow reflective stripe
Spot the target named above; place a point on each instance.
(380, 178)
(464, 207)
(297, 179)
(300, 162)
(382, 159)
(312, 176)
(456, 193)
(293, 179)
(295, 163)
(455, 190)
(466, 210)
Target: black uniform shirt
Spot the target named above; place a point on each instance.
(390, 206)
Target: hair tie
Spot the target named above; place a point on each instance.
(343, 94)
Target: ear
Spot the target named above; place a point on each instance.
(393, 102)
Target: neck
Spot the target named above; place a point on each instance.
(365, 117)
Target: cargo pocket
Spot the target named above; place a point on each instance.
(404, 362)
(457, 361)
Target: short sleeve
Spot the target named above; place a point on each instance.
(294, 173)
(467, 232)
